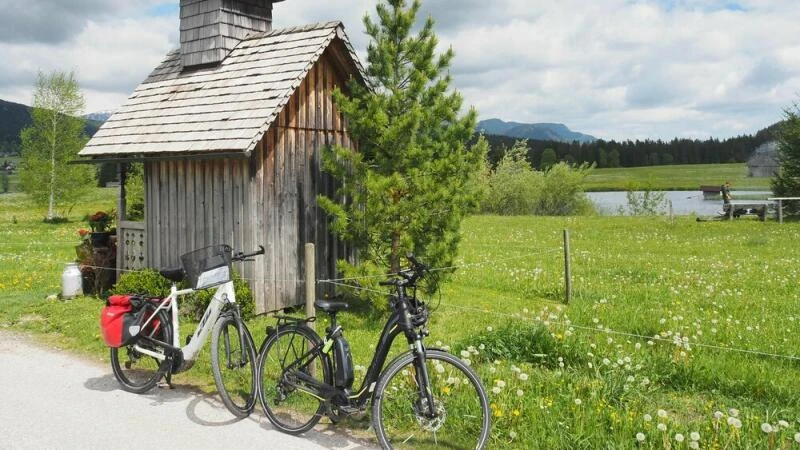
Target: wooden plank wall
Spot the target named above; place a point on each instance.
(269, 200)
(193, 204)
(287, 180)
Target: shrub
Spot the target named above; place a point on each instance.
(145, 281)
(515, 188)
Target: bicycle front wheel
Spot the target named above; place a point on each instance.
(233, 362)
(139, 372)
(287, 393)
(460, 414)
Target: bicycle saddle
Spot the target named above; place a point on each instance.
(175, 275)
(329, 306)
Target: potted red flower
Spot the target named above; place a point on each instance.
(100, 223)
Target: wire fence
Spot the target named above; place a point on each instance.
(352, 283)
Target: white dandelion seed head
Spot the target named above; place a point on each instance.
(766, 428)
(661, 427)
(640, 437)
(679, 437)
(694, 435)
(648, 417)
(733, 412)
(718, 415)
(661, 413)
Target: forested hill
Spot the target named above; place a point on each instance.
(14, 117)
(640, 153)
(538, 131)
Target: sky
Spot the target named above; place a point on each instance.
(615, 69)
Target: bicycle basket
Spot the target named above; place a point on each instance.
(208, 266)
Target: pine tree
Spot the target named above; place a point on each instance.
(413, 178)
(786, 182)
(51, 141)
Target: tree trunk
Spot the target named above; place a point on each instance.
(51, 205)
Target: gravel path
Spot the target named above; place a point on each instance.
(52, 399)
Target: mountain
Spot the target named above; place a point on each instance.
(14, 117)
(539, 131)
(99, 116)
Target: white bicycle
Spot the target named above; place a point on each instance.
(152, 346)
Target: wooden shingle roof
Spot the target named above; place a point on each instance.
(226, 108)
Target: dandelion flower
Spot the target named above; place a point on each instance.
(640, 437)
(718, 415)
(489, 328)
(523, 376)
(465, 353)
(733, 412)
(783, 424)
(512, 435)
(766, 428)
(578, 401)
(679, 437)
(662, 413)
(500, 383)
(694, 445)
(496, 390)
(797, 437)
(520, 393)
(694, 435)
(661, 427)
(648, 417)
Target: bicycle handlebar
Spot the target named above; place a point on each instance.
(408, 276)
(241, 256)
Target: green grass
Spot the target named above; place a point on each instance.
(589, 373)
(677, 177)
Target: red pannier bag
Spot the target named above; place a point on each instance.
(121, 319)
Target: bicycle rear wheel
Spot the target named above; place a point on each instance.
(234, 366)
(461, 409)
(285, 398)
(138, 372)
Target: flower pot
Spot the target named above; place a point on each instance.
(100, 238)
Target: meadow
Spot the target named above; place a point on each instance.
(687, 177)
(678, 334)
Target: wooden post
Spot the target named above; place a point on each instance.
(567, 275)
(311, 282)
(780, 211)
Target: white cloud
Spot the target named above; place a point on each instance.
(613, 68)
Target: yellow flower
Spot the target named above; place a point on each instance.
(516, 413)
(445, 390)
(498, 413)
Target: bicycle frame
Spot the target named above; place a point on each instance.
(395, 325)
(224, 294)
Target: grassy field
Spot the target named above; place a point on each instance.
(674, 178)
(677, 332)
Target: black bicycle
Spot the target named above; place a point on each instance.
(424, 398)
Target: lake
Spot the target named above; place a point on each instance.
(683, 202)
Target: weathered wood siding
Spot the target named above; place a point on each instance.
(269, 199)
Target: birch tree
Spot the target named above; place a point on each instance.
(54, 138)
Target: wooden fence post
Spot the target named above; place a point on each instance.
(567, 274)
(311, 282)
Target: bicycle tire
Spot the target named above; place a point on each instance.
(137, 372)
(463, 419)
(234, 368)
(289, 409)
